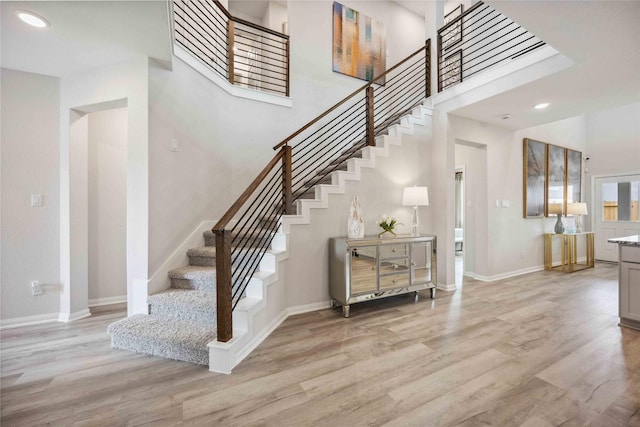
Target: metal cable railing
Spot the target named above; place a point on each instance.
(302, 160)
(478, 39)
(244, 53)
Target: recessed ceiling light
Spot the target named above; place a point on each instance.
(541, 106)
(32, 19)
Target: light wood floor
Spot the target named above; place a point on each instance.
(542, 349)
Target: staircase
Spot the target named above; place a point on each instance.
(181, 323)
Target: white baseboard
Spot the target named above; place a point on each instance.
(18, 322)
(502, 276)
(70, 317)
(447, 287)
(307, 308)
(97, 302)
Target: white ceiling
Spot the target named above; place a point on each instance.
(83, 35)
(603, 37)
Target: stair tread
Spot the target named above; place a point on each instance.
(176, 332)
(193, 272)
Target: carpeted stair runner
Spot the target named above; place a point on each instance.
(182, 319)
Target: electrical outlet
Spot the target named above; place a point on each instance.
(37, 288)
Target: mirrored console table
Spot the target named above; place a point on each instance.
(372, 268)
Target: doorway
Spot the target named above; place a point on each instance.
(459, 225)
(98, 155)
(107, 198)
(615, 212)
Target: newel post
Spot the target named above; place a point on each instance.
(287, 196)
(223, 285)
(371, 138)
(230, 54)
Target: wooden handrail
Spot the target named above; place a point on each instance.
(354, 93)
(248, 23)
(233, 210)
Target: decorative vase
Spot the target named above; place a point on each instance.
(559, 227)
(355, 225)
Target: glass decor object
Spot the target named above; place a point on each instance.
(355, 225)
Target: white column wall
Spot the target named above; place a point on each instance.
(29, 165)
(103, 89)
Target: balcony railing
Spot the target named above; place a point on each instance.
(479, 38)
(246, 54)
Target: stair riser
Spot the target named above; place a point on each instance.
(141, 345)
(209, 240)
(183, 313)
(202, 261)
(197, 285)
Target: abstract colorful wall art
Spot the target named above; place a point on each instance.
(359, 44)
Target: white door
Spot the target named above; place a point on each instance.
(615, 212)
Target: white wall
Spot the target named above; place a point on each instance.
(30, 165)
(512, 243)
(107, 151)
(613, 145)
(275, 16)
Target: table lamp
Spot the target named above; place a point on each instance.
(415, 196)
(577, 209)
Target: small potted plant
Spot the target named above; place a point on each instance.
(388, 224)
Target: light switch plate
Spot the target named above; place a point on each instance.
(36, 200)
(174, 145)
(505, 203)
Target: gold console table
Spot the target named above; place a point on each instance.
(569, 249)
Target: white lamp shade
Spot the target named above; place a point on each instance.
(577, 209)
(415, 196)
